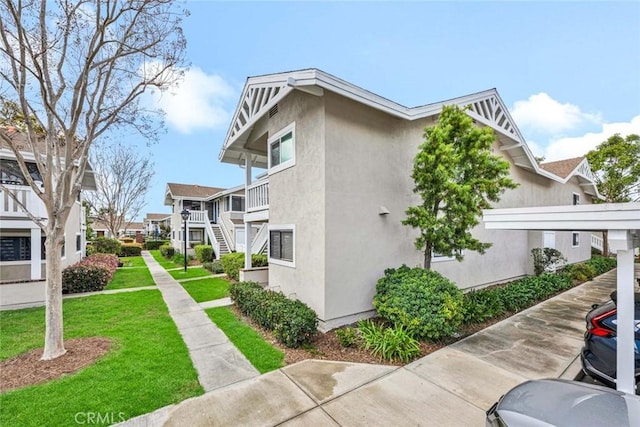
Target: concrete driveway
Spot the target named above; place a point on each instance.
(451, 387)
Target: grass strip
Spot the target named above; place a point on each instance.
(207, 289)
(132, 261)
(148, 366)
(130, 278)
(190, 273)
(164, 263)
(262, 355)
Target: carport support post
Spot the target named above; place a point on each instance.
(626, 323)
(247, 225)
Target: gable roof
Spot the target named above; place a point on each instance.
(562, 168)
(156, 216)
(262, 93)
(190, 190)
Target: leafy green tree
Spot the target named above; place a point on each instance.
(456, 176)
(616, 165)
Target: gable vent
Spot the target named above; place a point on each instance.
(273, 111)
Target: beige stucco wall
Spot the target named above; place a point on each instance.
(297, 197)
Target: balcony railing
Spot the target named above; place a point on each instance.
(10, 208)
(198, 217)
(258, 196)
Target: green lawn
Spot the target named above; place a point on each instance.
(262, 355)
(131, 278)
(132, 261)
(190, 273)
(165, 263)
(148, 366)
(207, 289)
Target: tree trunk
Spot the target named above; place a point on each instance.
(605, 243)
(427, 258)
(53, 338)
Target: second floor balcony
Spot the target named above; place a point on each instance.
(258, 195)
(9, 208)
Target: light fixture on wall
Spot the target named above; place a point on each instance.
(383, 211)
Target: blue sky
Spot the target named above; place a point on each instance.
(568, 71)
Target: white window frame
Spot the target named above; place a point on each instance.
(573, 199)
(573, 239)
(78, 251)
(231, 196)
(282, 227)
(442, 258)
(276, 137)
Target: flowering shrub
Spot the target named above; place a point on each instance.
(91, 274)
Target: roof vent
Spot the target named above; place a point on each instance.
(273, 111)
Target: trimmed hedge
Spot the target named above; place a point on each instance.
(91, 274)
(233, 262)
(204, 253)
(130, 249)
(105, 245)
(152, 245)
(423, 301)
(214, 266)
(167, 251)
(601, 264)
(292, 322)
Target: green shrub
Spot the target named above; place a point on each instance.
(293, 322)
(167, 251)
(204, 253)
(232, 263)
(214, 266)
(178, 258)
(601, 264)
(388, 343)
(545, 259)
(580, 272)
(105, 245)
(130, 249)
(152, 245)
(423, 301)
(482, 305)
(528, 291)
(347, 336)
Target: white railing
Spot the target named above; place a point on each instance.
(260, 240)
(258, 196)
(10, 208)
(227, 226)
(597, 242)
(198, 217)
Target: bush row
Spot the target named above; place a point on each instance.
(130, 249)
(152, 245)
(232, 263)
(486, 304)
(91, 274)
(292, 322)
(214, 266)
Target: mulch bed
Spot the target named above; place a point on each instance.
(27, 368)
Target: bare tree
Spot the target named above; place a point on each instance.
(122, 178)
(76, 70)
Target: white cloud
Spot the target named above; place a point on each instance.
(196, 102)
(566, 148)
(544, 115)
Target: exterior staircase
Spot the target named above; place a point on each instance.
(220, 240)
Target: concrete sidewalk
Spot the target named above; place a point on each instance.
(218, 362)
(450, 387)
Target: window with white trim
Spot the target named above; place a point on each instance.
(282, 149)
(575, 239)
(436, 257)
(282, 245)
(576, 199)
(78, 242)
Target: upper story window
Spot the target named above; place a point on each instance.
(576, 199)
(10, 172)
(282, 149)
(235, 202)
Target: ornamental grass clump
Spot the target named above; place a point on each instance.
(422, 301)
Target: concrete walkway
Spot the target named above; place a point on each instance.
(217, 361)
(450, 387)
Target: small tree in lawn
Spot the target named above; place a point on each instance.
(75, 70)
(123, 178)
(456, 176)
(616, 165)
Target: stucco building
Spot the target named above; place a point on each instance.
(338, 182)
